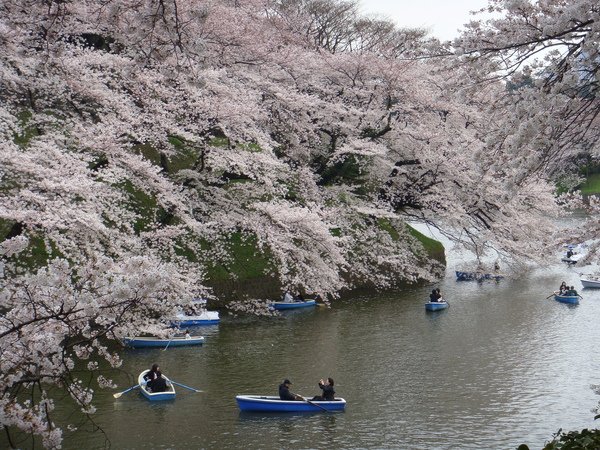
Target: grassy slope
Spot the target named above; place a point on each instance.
(591, 185)
(248, 266)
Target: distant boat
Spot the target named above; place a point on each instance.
(573, 259)
(590, 281)
(574, 253)
(477, 276)
(169, 394)
(179, 341)
(263, 403)
(293, 305)
(204, 318)
(436, 306)
(571, 299)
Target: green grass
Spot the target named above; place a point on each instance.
(434, 248)
(248, 262)
(141, 203)
(591, 185)
(29, 132)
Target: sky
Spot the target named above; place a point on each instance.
(442, 18)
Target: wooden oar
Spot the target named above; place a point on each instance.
(312, 403)
(187, 387)
(118, 394)
(168, 343)
(551, 295)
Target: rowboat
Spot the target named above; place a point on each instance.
(169, 394)
(275, 404)
(477, 276)
(293, 305)
(574, 253)
(436, 306)
(589, 281)
(571, 299)
(204, 318)
(179, 341)
(571, 260)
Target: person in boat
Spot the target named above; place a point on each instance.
(433, 296)
(299, 297)
(572, 292)
(328, 391)
(438, 296)
(570, 253)
(285, 394)
(287, 297)
(563, 288)
(155, 382)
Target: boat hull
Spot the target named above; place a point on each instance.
(594, 284)
(206, 318)
(156, 396)
(293, 305)
(570, 299)
(259, 403)
(477, 276)
(147, 342)
(571, 261)
(435, 306)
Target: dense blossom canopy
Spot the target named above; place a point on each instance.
(138, 136)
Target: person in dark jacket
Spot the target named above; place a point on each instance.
(328, 391)
(433, 296)
(154, 380)
(284, 391)
(563, 288)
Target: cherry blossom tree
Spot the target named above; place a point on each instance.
(139, 136)
(548, 53)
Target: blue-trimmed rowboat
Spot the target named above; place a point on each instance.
(206, 318)
(571, 299)
(267, 403)
(477, 276)
(179, 341)
(293, 305)
(169, 394)
(436, 306)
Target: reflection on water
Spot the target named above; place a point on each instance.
(501, 366)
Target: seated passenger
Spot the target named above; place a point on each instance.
(328, 391)
(433, 296)
(287, 297)
(155, 382)
(563, 288)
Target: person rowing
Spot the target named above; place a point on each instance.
(285, 394)
(155, 382)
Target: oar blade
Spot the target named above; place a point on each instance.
(119, 394)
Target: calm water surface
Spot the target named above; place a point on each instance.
(502, 366)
